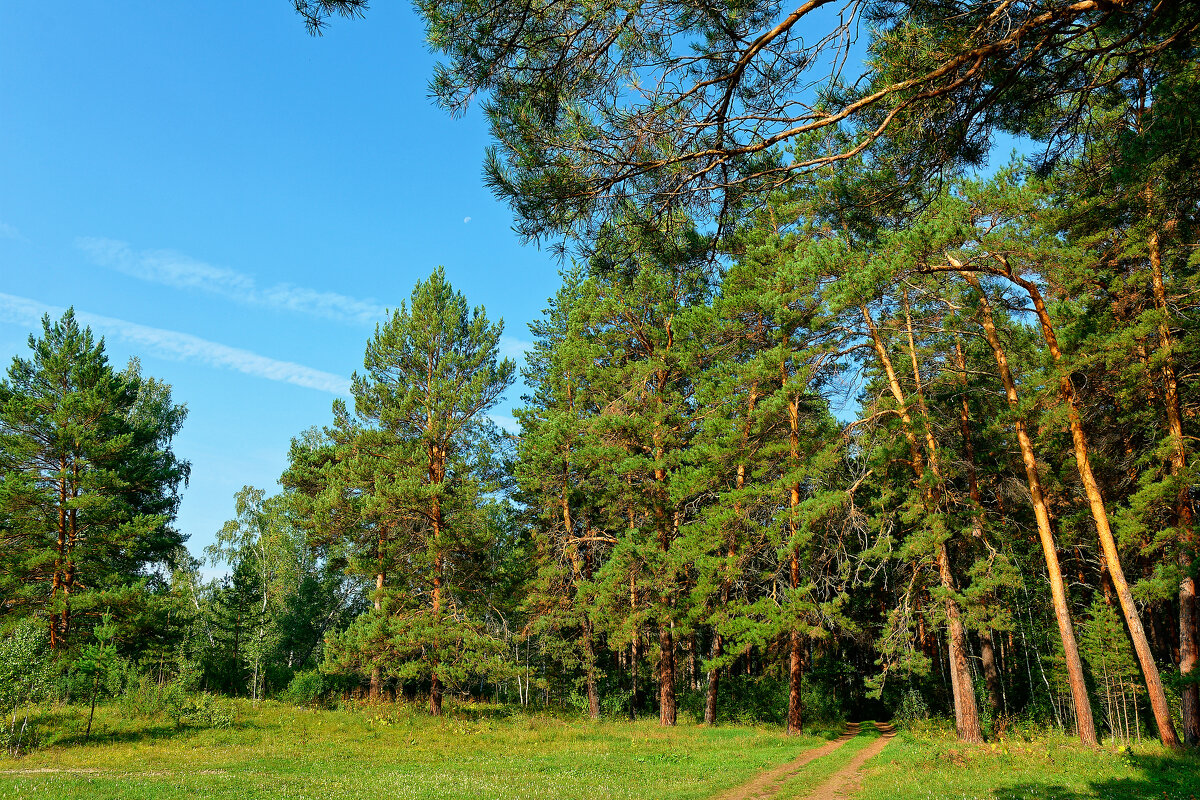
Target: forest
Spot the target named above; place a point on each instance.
(829, 420)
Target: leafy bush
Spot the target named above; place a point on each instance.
(742, 699)
(26, 677)
(26, 672)
(201, 710)
(147, 698)
(305, 689)
(19, 736)
(913, 710)
(820, 705)
(142, 698)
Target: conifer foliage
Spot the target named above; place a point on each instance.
(413, 468)
(90, 483)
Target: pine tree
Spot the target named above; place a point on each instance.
(90, 483)
(636, 337)
(420, 457)
(557, 481)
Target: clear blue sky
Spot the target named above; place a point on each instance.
(236, 202)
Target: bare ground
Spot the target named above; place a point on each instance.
(766, 784)
(845, 782)
(842, 784)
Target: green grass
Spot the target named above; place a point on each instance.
(817, 772)
(933, 765)
(278, 751)
(397, 752)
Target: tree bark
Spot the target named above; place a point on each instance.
(92, 712)
(714, 676)
(966, 712)
(377, 671)
(56, 640)
(795, 639)
(987, 654)
(581, 568)
(666, 675)
(991, 674)
(1058, 593)
(437, 476)
(589, 647)
(634, 641)
(795, 715)
(435, 683)
(1108, 544)
(1189, 653)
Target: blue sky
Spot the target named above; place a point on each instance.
(236, 203)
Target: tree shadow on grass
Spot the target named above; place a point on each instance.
(1159, 778)
(162, 731)
(69, 731)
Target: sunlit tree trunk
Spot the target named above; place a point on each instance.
(1062, 614)
(795, 715)
(966, 712)
(987, 653)
(1188, 649)
(1108, 544)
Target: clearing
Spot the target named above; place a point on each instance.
(396, 752)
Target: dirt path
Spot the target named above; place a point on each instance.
(842, 784)
(845, 782)
(766, 784)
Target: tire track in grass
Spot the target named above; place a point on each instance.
(845, 782)
(767, 784)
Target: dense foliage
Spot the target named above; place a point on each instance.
(819, 424)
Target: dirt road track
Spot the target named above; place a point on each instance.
(841, 785)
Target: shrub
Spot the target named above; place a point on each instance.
(26, 674)
(201, 710)
(26, 677)
(146, 698)
(305, 689)
(913, 710)
(820, 705)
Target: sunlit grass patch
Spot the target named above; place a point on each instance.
(394, 751)
(1051, 767)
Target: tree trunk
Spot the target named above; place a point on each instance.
(95, 683)
(60, 556)
(435, 683)
(1188, 648)
(693, 661)
(710, 700)
(1062, 613)
(634, 641)
(1091, 487)
(1190, 697)
(666, 675)
(714, 676)
(795, 639)
(795, 715)
(581, 563)
(966, 712)
(987, 655)
(991, 675)
(72, 542)
(589, 654)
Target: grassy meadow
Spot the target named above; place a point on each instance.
(273, 750)
(932, 765)
(395, 752)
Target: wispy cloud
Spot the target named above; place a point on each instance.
(178, 346)
(514, 348)
(170, 268)
(9, 232)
